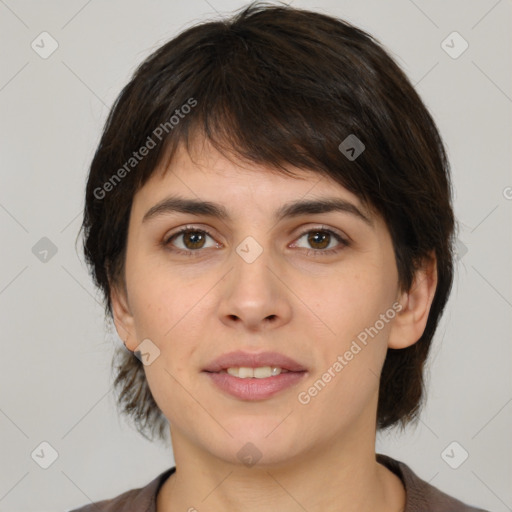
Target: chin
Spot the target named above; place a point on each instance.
(261, 441)
(251, 454)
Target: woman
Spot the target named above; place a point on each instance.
(269, 217)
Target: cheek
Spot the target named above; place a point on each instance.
(168, 315)
(344, 386)
(355, 300)
(358, 309)
(169, 312)
(158, 298)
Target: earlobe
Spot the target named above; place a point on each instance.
(123, 319)
(410, 322)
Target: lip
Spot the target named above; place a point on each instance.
(253, 388)
(248, 360)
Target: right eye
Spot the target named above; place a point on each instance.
(192, 240)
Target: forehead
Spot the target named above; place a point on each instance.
(204, 174)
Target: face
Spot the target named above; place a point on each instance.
(310, 295)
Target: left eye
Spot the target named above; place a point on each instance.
(319, 240)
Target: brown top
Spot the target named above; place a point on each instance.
(420, 495)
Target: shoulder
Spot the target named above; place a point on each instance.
(142, 499)
(420, 495)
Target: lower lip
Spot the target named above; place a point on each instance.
(255, 389)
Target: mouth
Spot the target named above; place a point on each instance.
(248, 360)
(261, 372)
(247, 376)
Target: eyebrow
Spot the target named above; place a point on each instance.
(178, 204)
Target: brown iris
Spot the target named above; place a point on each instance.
(312, 238)
(198, 239)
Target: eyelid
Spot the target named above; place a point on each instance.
(186, 228)
(208, 230)
(322, 227)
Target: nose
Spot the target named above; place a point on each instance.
(254, 295)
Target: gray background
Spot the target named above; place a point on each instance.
(55, 382)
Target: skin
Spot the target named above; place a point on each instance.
(197, 307)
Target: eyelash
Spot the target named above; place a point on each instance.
(187, 229)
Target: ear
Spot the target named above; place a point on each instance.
(409, 323)
(123, 318)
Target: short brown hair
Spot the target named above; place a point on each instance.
(280, 86)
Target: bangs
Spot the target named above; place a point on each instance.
(250, 107)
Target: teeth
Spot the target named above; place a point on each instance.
(262, 372)
(244, 373)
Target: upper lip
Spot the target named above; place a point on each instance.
(253, 360)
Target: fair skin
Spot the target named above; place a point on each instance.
(291, 299)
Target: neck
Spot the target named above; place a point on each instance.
(341, 476)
